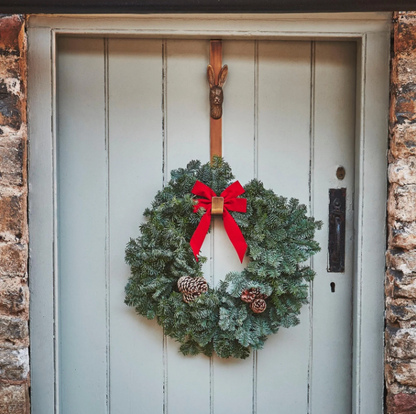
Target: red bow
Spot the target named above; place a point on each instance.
(231, 202)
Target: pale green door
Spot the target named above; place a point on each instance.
(131, 110)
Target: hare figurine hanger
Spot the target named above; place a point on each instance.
(275, 234)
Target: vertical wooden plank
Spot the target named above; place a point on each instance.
(188, 138)
(233, 379)
(283, 165)
(135, 145)
(41, 222)
(82, 215)
(238, 120)
(215, 60)
(334, 132)
(187, 99)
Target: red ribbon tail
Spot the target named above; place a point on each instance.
(199, 235)
(235, 235)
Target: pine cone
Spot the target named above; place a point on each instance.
(190, 297)
(261, 296)
(187, 284)
(200, 285)
(258, 306)
(192, 287)
(249, 295)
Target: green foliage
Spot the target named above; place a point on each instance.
(279, 235)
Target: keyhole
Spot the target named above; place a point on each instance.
(332, 287)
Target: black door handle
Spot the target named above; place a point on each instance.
(336, 233)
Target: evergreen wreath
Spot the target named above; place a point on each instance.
(231, 318)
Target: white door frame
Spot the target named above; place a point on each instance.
(371, 31)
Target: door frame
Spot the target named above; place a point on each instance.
(204, 6)
(371, 32)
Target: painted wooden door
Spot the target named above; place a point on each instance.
(131, 110)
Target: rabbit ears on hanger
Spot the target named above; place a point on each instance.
(221, 77)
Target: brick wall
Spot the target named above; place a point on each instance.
(14, 294)
(401, 254)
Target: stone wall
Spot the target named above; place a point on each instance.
(401, 254)
(14, 293)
